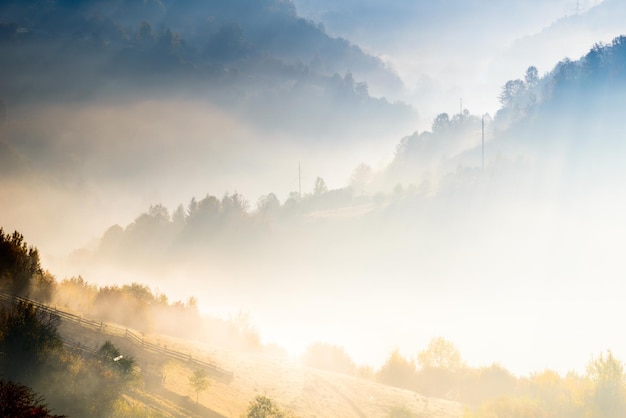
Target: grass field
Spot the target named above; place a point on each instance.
(165, 390)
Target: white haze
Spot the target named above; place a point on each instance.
(521, 267)
(94, 165)
(453, 51)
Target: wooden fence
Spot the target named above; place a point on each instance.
(125, 333)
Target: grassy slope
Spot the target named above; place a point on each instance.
(308, 392)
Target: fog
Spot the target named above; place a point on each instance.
(517, 261)
(452, 50)
(104, 162)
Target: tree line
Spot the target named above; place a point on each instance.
(32, 355)
(598, 78)
(212, 51)
(491, 391)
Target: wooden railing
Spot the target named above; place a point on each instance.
(125, 333)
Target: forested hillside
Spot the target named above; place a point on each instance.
(432, 219)
(258, 58)
(237, 158)
(571, 112)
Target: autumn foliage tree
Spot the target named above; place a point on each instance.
(20, 401)
(608, 396)
(440, 354)
(397, 371)
(440, 363)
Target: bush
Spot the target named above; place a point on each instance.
(263, 407)
(111, 357)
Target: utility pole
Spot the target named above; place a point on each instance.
(482, 165)
(3, 112)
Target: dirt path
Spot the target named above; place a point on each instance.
(342, 395)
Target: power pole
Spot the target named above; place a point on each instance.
(3, 112)
(483, 146)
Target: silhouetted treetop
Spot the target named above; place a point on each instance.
(571, 82)
(19, 263)
(27, 336)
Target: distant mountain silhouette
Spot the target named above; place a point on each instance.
(258, 58)
(179, 37)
